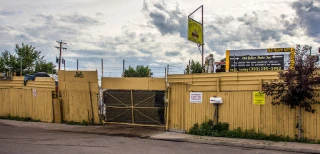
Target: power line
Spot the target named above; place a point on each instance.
(43, 45)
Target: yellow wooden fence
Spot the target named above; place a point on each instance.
(33, 100)
(79, 96)
(236, 90)
(133, 83)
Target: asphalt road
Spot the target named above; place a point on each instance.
(17, 140)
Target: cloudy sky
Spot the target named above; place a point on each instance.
(153, 32)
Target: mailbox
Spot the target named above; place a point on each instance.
(216, 100)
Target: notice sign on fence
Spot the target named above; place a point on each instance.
(195, 97)
(34, 92)
(259, 98)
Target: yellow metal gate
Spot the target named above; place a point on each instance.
(135, 107)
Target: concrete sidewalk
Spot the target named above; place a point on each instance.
(159, 134)
(246, 143)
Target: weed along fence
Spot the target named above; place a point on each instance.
(238, 108)
(138, 101)
(33, 100)
(79, 96)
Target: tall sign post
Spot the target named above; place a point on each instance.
(195, 32)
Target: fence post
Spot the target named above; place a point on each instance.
(168, 110)
(132, 107)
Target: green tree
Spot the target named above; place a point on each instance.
(195, 68)
(139, 71)
(43, 66)
(2, 65)
(296, 87)
(30, 59)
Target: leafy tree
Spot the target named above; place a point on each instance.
(2, 63)
(139, 71)
(296, 87)
(195, 68)
(43, 66)
(31, 60)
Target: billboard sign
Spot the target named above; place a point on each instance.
(195, 31)
(272, 59)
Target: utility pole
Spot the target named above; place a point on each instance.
(102, 67)
(64, 64)
(165, 73)
(167, 69)
(77, 65)
(123, 63)
(189, 67)
(20, 64)
(60, 48)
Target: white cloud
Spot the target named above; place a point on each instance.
(153, 32)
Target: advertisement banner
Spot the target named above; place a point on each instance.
(195, 31)
(248, 60)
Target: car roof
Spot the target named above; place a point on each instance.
(41, 73)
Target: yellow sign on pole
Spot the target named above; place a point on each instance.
(195, 31)
(259, 98)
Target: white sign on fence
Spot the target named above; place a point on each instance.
(34, 91)
(195, 97)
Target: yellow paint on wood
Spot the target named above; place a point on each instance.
(133, 83)
(57, 110)
(88, 76)
(238, 108)
(79, 96)
(22, 103)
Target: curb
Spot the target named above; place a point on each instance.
(242, 144)
(102, 133)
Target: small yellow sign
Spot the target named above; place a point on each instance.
(259, 98)
(195, 31)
